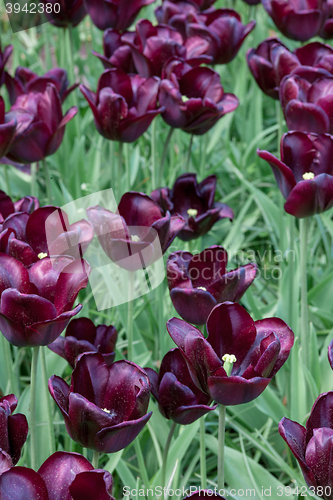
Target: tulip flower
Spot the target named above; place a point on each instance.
(124, 105)
(305, 98)
(299, 20)
(114, 13)
(139, 230)
(83, 336)
(305, 173)
(72, 12)
(153, 46)
(223, 29)
(195, 203)
(13, 428)
(7, 130)
(45, 232)
(63, 476)
(178, 397)
(195, 101)
(330, 354)
(175, 14)
(36, 304)
(117, 53)
(327, 30)
(198, 282)
(4, 56)
(312, 445)
(41, 125)
(27, 204)
(26, 81)
(255, 349)
(105, 407)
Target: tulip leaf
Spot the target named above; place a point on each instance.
(126, 475)
(298, 389)
(270, 404)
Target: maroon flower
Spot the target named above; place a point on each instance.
(305, 173)
(178, 397)
(153, 46)
(124, 106)
(195, 100)
(257, 349)
(83, 336)
(26, 81)
(71, 13)
(297, 19)
(195, 203)
(117, 53)
(114, 13)
(175, 14)
(27, 204)
(312, 445)
(40, 125)
(44, 232)
(327, 31)
(7, 130)
(198, 282)
(224, 31)
(63, 476)
(105, 407)
(4, 56)
(306, 99)
(36, 304)
(13, 428)
(139, 234)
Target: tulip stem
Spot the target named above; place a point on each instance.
(279, 119)
(120, 169)
(95, 459)
(291, 272)
(189, 154)
(153, 154)
(203, 469)
(165, 153)
(9, 364)
(166, 452)
(130, 316)
(304, 323)
(32, 423)
(47, 182)
(48, 402)
(7, 181)
(34, 185)
(48, 57)
(221, 443)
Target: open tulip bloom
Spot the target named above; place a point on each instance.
(7, 130)
(63, 476)
(13, 429)
(305, 172)
(114, 13)
(257, 350)
(4, 56)
(105, 407)
(198, 282)
(312, 445)
(195, 203)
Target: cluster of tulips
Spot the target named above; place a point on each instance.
(155, 70)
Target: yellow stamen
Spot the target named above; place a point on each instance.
(185, 98)
(192, 212)
(308, 175)
(42, 255)
(106, 410)
(134, 237)
(228, 361)
(201, 288)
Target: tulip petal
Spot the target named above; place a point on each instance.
(26, 309)
(310, 197)
(60, 391)
(192, 305)
(235, 390)
(306, 117)
(22, 483)
(321, 415)
(18, 432)
(282, 173)
(73, 278)
(92, 484)
(138, 209)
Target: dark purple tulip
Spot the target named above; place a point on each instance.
(317, 55)
(114, 13)
(124, 105)
(117, 53)
(13, 428)
(195, 101)
(195, 203)
(298, 19)
(36, 304)
(83, 336)
(63, 476)
(27, 204)
(258, 348)
(72, 12)
(26, 81)
(223, 29)
(198, 282)
(313, 445)
(4, 56)
(153, 46)
(105, 407)
(305, 173)
(306, 99)
(7, 130)
(40, 125)
(175, 14)
(45, 232)
(139, 230)
(178, 397)
(198, 4)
